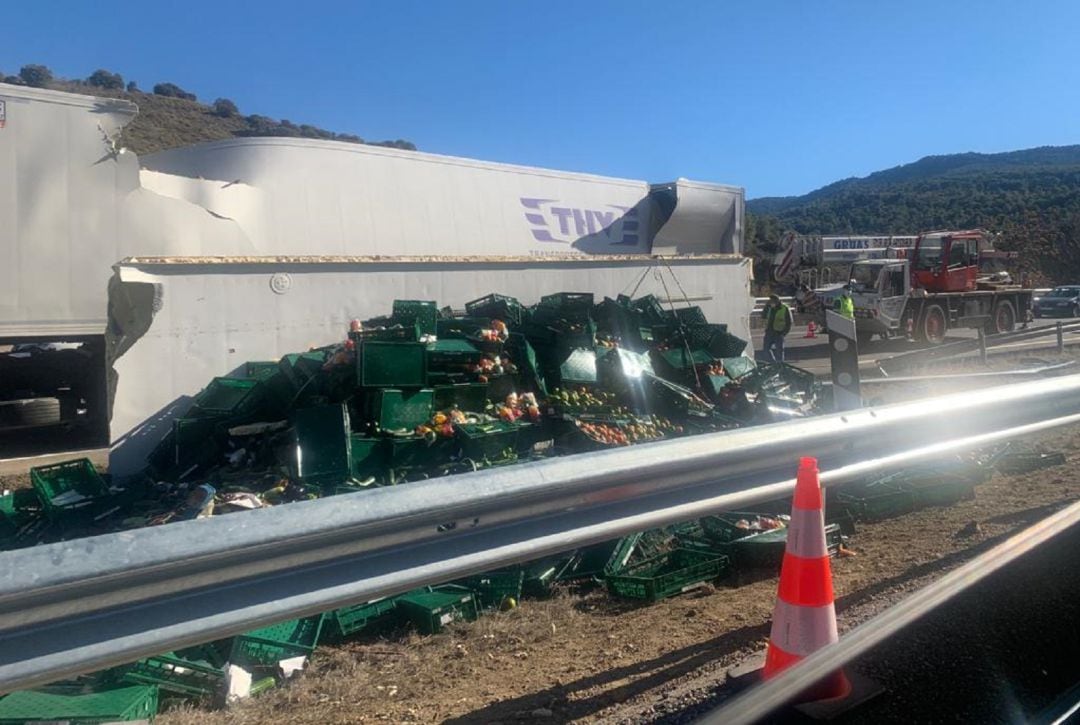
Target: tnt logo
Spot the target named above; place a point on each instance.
(552, 222)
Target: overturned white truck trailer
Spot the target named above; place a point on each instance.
(187, 263)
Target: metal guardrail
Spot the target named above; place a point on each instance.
(87, 604)
(963, 347)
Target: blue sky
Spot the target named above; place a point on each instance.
(779, 97)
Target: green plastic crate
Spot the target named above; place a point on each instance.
(724, 344)
(301, 375)
(322, 443)
(766, 549)
(737, 367)
(415, 451)
(493, 588)
(636, 547)
(267, 646)
(396, 409)
(942, 491)
(666, 575)
(572, 368)
(196, 442)
(423, 312)
(347, 621)
(569, 303)
(523, 355)
(875, 503)
(715, 383)
(681, 359)
(498, 307)
(68, 487)
(540, 575)
(470, 397)
(392, 364)
(674, 401)
(452, 354)
(123, 704)
(369, 455)
(462, 328)
(173, 674)
(650, 309)
(229, 398)
(431, 611)
(487, 440)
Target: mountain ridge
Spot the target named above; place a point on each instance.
(927, 167)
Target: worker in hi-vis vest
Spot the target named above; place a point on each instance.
(844, 305)
(778, 322)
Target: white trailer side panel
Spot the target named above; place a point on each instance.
(60, 177)
(326, 197)
(176, 325)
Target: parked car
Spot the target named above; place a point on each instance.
(1059, 302)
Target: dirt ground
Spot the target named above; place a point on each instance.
(583, 656)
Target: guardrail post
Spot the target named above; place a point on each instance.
(982, 346)
(1060, 338)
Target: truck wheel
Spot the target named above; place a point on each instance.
(863, 338)
(934, 325)
(1004, 319)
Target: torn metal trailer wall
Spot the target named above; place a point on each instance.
(60, 176)
(71, 205)
(175, 324)
(326, 197)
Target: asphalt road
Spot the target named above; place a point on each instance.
(813, 353)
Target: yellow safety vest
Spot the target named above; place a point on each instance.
(846, 307)
(780, 318)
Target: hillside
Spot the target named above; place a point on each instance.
(951, 166)
(1031, 196)
(169, 116)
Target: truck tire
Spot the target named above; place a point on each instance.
(933, 325)
(1003, 319)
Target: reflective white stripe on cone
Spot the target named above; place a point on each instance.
(802, 631)
(806, 534)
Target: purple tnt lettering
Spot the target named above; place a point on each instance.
(562, 213)
(579, 222)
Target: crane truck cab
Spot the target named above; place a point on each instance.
(948, 261)
(940, 284)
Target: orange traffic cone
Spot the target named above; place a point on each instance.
(804, 620)
(811, 331)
